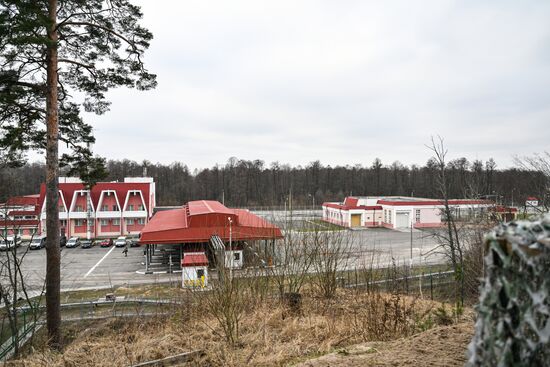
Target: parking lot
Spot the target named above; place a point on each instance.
(94, 267)
(99, 267)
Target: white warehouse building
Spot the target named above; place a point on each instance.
(397, 211)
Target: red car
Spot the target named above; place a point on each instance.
(106, 243)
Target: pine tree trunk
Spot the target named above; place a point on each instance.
(53, 258)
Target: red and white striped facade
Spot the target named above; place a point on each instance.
(109, 209)
(19, 217)
(397, 211)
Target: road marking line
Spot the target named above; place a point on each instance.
(99, 262)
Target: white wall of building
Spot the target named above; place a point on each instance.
(190, 276)
(234, 258)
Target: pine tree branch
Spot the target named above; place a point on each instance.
(89, 67)
(40, 87)
(113, 32)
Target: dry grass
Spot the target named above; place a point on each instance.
(269, 334)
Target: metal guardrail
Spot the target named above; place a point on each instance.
(108, 302)
(28, 329)
(7, 349)
(406, 278)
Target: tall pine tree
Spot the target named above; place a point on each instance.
(56, 57)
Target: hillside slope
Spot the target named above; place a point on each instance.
(440, 346)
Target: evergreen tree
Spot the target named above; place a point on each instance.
(50, 51)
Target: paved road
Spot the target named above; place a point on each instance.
(104, 267)
(387, 245)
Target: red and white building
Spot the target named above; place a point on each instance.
(109, 209)
(397, 211)
(19, 217)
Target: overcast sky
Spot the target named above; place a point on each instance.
(339, 81)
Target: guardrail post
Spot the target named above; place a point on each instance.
(431, 287)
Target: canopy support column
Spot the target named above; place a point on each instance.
(147, 259)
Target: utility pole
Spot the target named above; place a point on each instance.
(230, 250)
(89, 215)
(411, 244)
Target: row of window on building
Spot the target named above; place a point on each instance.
(105, 208)
(105, 222)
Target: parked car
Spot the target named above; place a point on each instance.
(9, 242)
(121, 242)
(86, 244)
(37, 243)
(134, 241)
(106, 242)
(73, 242)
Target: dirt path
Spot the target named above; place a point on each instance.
(440, 346)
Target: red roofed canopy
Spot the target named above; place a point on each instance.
(194, 260)
(198, 221)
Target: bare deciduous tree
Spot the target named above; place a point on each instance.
(450, 240)
(331, 255)
(14, 292)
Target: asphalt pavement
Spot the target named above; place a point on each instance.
(99, 267)
(90, 268)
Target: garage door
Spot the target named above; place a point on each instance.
(402, 220)
(356, 220)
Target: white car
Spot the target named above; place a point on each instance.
(121, 241)
(9, 242)
(37, 243)
(73, 242)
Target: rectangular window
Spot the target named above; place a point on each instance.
(104, 222)
(105, 208)
(236, 256)
(79, 222)
(141, 221)
(141, 207)
(115, 208)
(131, 207)
(116, 222)
(417, 215)
(130, 221)
(79, 208)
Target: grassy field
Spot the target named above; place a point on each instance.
(269, 333)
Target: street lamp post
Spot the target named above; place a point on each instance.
(312, 200)
(230, 249)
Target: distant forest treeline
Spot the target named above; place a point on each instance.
(253, 183)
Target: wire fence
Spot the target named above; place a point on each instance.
(91, 309)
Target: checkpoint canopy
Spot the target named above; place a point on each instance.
(198, 221)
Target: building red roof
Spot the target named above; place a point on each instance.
(350, 203)
(503, 209)
(532, 198)
(194, 260)
(348, 207)
(198, 221)
(423, 202)
(26, 200)
(121, 189)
